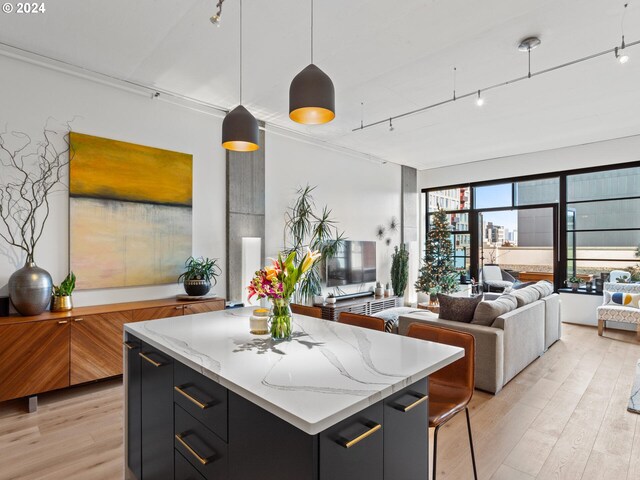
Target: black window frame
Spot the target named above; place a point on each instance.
(560, 225)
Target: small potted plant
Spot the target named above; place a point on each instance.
(199, 275)
(331, 299)
(574, 282)
(464, 279)
(61, 295)
(433, 295)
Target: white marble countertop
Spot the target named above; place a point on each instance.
(326, 373)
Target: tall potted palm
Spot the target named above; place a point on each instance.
(400, 271)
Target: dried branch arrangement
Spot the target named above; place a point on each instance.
(29, 173)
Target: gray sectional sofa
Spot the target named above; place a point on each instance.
(512, 341)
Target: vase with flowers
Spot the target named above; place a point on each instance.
(278, 282)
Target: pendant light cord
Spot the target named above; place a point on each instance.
(240, 52)
(311, 31)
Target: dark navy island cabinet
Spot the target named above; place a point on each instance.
(182, 425)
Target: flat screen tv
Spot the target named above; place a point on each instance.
(354, 262)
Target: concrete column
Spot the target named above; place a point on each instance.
(245, 213)
(409, 226)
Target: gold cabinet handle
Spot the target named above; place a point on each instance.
(420, 400)
(371, 431)
(150, 360)
(79, 319)
(202, 460)
(62, 322)
(130, 345)
(202, 405)
(179, 307)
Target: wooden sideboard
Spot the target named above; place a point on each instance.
(56, 350)
(362, 305)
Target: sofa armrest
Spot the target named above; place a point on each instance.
(552, 323)
(489, 370)
(523, 337)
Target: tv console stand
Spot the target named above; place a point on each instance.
(347, 296)
(364, 305)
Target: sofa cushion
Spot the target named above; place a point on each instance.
(526, 295)
(488, 310)
(458, 309)
(544, 288)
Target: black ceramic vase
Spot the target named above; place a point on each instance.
(197, 288)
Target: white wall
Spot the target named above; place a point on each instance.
(580, 156)
(362, 194)
(31, 94)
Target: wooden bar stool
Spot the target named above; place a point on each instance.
(306, 310)
(450, 388)
(364, 321)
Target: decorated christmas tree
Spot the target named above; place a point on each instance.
(438, 271)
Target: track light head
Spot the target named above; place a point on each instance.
(621, 53)
(391, 129)
(479, 100)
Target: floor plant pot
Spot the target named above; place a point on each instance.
(30, 289)
(197, 288)
(61, 303)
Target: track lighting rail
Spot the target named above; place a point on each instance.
(475, 92)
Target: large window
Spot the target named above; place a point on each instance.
(603, 221)
(584, 223)
(456, 202)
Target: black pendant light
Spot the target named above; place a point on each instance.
(312, 98)
(240, 131)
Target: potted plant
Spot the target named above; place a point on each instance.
(199, 275)
(464, 279)
(61, 295)
(574, 282)
(433, 295)
(400, 271)
(331, 299)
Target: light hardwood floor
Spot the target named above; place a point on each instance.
(564, 417)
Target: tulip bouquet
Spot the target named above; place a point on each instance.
(278, 283)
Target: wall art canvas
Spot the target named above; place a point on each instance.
(129, 213)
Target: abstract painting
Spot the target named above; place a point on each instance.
(129, 213)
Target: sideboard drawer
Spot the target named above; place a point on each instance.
(204, 450)
(203, 398)
(184, 470)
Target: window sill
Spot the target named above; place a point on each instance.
(581, 291)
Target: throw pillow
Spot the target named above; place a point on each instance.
(526, 295)
(544, 288)
(458, 309)
(488, 310)
(622, 299)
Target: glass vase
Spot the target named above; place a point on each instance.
(280, 319)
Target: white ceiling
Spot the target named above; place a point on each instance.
(394, 56)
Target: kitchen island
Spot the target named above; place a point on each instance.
(205, 399)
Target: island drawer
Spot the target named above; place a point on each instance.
(353, 449)
(406, 438)
(184, 470)
(203, 398)
(204, 449)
